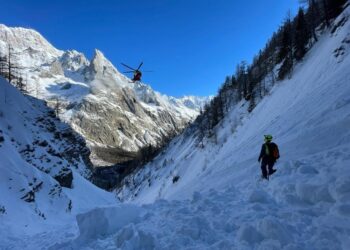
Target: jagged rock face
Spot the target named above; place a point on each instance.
(116, 134)
(73, 60)
(65, 178)
(121, 123)
(56, 68)
(44, 164)
(116, 116)
(38, 153)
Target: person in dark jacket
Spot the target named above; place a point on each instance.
(268, 155)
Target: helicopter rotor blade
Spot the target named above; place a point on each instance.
(127, 66)
(131, 71)
(140, 66)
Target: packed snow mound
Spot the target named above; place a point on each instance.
(101, 222)
(104, 221)
(227, 219)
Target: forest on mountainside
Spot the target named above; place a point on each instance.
(275, 62)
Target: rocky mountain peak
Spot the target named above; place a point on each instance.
(73, 60)
(100, 67)
(23, 38)
(100, 63)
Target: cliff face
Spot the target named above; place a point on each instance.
(44, 164)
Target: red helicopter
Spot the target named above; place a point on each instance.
(137, 73)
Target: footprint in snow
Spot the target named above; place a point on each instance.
(307, 170)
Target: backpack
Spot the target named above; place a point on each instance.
(271, 150)
(275, 152)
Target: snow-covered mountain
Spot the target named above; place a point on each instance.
(210, 195)
(116, 116)
(45, 168)
(191, 102)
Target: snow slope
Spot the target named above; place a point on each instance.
(36, 148)
(306, 203)
(307, 114)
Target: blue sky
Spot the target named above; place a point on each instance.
(191, 45)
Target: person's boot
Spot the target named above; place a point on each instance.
(272, 171)
(265, 177)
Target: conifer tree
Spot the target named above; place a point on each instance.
(286, 49)
(312, 16)
(301, 36)
(331, 9)
(3, 65)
